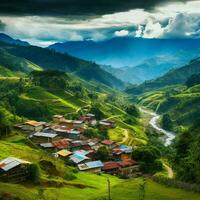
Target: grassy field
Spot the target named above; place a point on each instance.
(86, 186)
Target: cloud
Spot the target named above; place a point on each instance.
(121, 33)
(175, 19)
(73, 7)
(2, 26)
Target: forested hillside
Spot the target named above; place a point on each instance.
(48, 59)
(176, 76)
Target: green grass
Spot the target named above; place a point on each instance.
(93, 186)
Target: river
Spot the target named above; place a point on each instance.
(169, 136)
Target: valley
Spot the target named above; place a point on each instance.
(56, 108)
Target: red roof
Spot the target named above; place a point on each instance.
(61, 144)
(110, 165)
(107, 142)
(127, 163)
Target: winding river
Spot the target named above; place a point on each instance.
(169, 136)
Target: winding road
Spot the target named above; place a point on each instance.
(169, 136)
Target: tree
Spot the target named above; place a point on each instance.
(148, 157)
(102, 154)
(132, 110)
(166, 122)
(34, 173)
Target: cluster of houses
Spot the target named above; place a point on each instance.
(64, 139)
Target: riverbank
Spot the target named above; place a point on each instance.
(154, 122)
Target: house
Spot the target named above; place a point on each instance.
(58, 118)
(78, 124)
(127, 168)
(64, 153)
(89, 119)
(78, 158)
(122, 152)
(33, 126)
(108, 143)
(73, 134)
(111, 167)
(46, 145)
(106, 123)
(14, 170)
(61, 144)
(68, 123)
(41, 137)
(93, 166)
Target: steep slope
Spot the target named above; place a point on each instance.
(49, 59)
(11, 65)
(125, 51)
(7, 39)
(176, 76)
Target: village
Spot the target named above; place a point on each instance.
(66, 139)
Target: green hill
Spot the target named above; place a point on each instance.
(176, 76)
(49, 59)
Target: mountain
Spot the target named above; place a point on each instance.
(48, 59)
(152, 68)
(176, 76)
(126, 51)
(7, 39)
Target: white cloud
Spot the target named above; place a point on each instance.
(171, 20)
(121, 33)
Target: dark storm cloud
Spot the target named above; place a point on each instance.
(74, 7)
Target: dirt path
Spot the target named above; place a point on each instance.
(126, 136)
(169, 170)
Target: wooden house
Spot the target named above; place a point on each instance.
(14, 170)
(41, 137)
(33, 126)
(93, 166)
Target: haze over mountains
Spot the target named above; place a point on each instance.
(138, 59)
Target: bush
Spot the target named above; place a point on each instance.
(34, 173)
(69, 176)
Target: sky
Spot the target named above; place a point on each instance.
(44, 22)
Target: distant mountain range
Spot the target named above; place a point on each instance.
(125, 51)
(173, 77)
(152, 68)
(9, 40)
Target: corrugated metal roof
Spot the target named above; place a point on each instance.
(10, 163)
(64, 153)
(90, 165)
(48, 135)
(46, 145)
(77, 158)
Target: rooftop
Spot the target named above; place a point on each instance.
(61, 144)
(34, 123)
(107, 142)
(90, 165)
(11, 162)
(77, 158)
(64, 153)
(47, 135)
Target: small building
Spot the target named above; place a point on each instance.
(64, 153)
(122, 152)
(78, 124)
(67, 123)
(78, 158)
(73, 134)
(47, 145)
(40, 137)
(14, 170)
(106, 123)
(108, 143)
(61, 144)
(127, 168)
(111, 167)
(58, 118)
(33, 126)
(93, 166)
